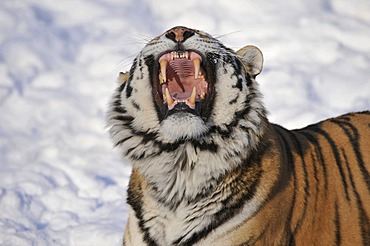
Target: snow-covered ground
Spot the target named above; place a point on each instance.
(61, 183)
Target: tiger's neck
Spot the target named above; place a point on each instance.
(191, 173)
(181, 175)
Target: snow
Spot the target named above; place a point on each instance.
(61, 182)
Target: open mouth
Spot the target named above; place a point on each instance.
(182, 80)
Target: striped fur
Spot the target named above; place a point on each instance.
(225, 175)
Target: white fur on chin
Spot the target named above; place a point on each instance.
(182, 125)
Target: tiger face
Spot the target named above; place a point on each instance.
(188, 111)
(186, 86)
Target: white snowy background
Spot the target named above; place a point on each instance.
(61, 182)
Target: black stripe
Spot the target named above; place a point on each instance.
(135, 202)
(319, 152)
(120, 109)
(239, 83)
(211, 147)
(289, 161)
(238, 66)
(335, 151)
(169, 147)
(297, 148)
(164, 147)
(367, 112)
(364, 219)
(128, 151)
(234, 100)
(306, 195)
(128, 82)
(122, 86)
(352, 133)
(135, 105)
(125, 118)
(315, 171)
(122, 141)
(128, 89)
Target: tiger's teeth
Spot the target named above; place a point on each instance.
(160, 79)
(202, 95)
(169, 98)
(163, 71)
(187, 55)
(196, 63)
(193, 96)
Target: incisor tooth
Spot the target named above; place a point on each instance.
(193, 96)
(163, 70)
(186, 55)
(196, 63)
(168, 97)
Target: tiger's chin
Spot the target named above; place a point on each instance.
(182, 126)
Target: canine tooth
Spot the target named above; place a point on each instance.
(163, 70)
(196, 63)
(193, 96)
(164, 98)
(169, 98)
(202, 95)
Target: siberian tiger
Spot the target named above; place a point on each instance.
(208, 168)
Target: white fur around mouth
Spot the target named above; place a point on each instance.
(182, 79)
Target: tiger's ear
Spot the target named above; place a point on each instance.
(252, 59)
(122, 77)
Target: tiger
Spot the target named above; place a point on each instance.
(208, 168)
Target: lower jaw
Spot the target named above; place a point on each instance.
(182, 107)
(182, 103)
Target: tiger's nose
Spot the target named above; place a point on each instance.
(179, 34)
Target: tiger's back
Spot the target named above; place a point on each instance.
(330, 182)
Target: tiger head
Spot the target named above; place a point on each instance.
(186, 87)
